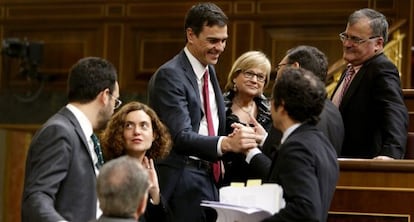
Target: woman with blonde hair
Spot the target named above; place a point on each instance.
(244, 102)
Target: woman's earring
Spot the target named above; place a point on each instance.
(234, 87)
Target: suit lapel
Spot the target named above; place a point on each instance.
(66, 112)
(219, 100)
(353, 86)
(190, 75)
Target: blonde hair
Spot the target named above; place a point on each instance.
(249, 60)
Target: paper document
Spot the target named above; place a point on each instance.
(247, 204)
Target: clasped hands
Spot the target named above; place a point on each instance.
(243, 138)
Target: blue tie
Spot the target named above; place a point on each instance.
(98, 150)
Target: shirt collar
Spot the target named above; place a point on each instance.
(289, 131)
(82, 119)
(198, 68)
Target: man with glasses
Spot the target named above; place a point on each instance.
(369, 94)
(63, 159)
(312, 59)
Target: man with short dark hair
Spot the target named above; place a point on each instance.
(312, 59)
(186, 95)
(63, 161)
(305, 163)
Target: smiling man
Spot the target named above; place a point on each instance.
(186, 95)
(369, 94)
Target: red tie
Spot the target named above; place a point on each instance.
(210, 126)
(347, 81)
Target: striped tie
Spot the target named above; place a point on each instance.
(98, 151)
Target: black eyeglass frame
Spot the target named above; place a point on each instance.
(250, 74)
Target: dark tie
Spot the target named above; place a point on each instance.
(98, 150)
(209, 118)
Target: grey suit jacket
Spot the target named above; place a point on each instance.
(60, 178)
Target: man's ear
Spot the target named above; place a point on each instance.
(295, 65)
(103, 96)
(190, 35)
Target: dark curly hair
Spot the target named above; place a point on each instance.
(113, 143)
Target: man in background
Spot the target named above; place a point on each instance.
(369, 94)
(312, 59)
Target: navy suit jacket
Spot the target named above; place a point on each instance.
(174, 95)
(307, 169)
(330, 124)
(374, 113)
(60, 178)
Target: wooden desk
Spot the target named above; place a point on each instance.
(374, 190)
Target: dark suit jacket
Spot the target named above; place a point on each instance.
(114, 219)
(60, 178)
(330, 124)
(374, 113)
(307, 169)
(174, 95)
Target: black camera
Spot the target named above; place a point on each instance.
(31, 52)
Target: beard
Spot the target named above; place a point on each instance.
(104, 115)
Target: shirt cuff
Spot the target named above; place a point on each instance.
(253, 152)
(219, 153)
(263, 140)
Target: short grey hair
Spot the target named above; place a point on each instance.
(378, 22)
(121, 185)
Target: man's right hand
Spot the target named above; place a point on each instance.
(240, 140)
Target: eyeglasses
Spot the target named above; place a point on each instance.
(278, 66)
(355, 40)
(118, 102)
(250, 75)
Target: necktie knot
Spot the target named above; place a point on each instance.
(98, 150)
(206, 75)
(350, 70)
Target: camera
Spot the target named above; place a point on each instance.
(31, 52)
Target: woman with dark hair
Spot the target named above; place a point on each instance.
(135, 130)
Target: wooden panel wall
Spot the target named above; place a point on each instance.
(138, 36)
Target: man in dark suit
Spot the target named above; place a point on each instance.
(369, 94)
(122, 189)
(305, 163)
(312, 59)
(62, 165)
(176, 93)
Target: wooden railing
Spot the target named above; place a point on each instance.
(393, 50)
(372, 190)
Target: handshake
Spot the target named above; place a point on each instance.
(243, 138)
